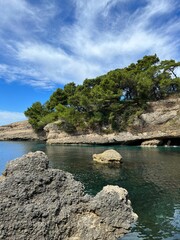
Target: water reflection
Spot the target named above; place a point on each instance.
(109, 171)
(151, 176)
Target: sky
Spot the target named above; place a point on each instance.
(45, 44)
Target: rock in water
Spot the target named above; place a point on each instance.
(151, 143)
(107, 156)
(37, 202)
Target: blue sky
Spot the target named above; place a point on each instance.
(45, 44)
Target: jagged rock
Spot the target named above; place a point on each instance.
(107, 156)
(151, 143)
(99, 223)
(37, 202)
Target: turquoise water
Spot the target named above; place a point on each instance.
(151, 176)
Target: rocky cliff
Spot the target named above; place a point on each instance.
(160, 121)
(163, 115)
(37, 202)
(19, 131)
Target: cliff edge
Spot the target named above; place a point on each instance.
(160, 121)
(19, 131)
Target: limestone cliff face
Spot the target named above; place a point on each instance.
(37, 202)
(163, 115)
(18, 131)
(161, 121)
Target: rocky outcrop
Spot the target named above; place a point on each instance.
(37, 202)
(151, 143)
(108, 156)
(163, 115)
(19, 131)
(161, 121)
(58, 137)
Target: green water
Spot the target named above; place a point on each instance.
(151, 176)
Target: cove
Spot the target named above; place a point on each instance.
(151, 176)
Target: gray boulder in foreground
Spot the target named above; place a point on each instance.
(108, 156)
(37, 202)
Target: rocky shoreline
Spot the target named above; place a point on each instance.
(123, 138)
(38, 202)
(19, 131)
(160, 123)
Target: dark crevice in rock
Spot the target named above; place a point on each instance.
(167, 141)
(171, 141)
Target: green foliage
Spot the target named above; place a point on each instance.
(66, 127)
(95, 122)
(110, 101)
(50, 117)
(59, 96)
(35, 113)
(73, 118)
(69, 89)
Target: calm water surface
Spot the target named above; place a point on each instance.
(151, 176)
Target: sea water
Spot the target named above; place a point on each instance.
(151, 176)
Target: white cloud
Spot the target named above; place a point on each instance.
(7, 117)
(96, 42)
(46, 66)
(22, 18)
(114, 48)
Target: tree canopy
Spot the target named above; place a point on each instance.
(108, 102)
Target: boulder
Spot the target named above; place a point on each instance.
(37, 202)
(108, 156)
(151, 143)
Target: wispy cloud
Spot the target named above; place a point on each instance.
(10, 117)
(42, 48)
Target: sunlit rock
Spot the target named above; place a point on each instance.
(108, 156)
(151, 143)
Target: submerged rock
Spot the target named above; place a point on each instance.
(108, 156)
(37, 202)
